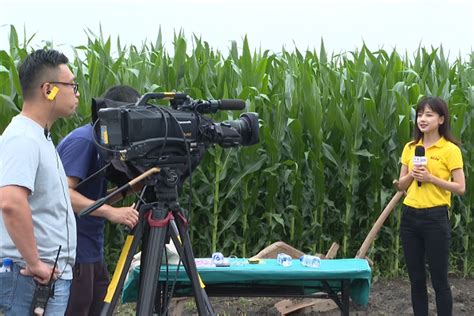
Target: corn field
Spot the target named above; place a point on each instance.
(332, 128)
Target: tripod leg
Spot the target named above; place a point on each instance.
(116, 284)
(183, 245)
(150, 268)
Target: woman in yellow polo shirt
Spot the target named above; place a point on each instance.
(425, 228)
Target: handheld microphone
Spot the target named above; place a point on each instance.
(419, 159)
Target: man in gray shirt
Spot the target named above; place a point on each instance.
(36, 213)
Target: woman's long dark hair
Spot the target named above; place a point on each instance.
(439, 106)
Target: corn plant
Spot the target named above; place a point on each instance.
(332, 128)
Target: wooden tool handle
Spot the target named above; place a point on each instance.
(378, 224)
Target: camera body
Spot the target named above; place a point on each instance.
(144, 135)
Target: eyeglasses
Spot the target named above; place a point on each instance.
(74, 85)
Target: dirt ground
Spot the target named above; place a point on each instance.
(387, 297)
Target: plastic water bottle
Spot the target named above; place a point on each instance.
(7, 265)
(217, 258)
(284, 260)
(310, 261)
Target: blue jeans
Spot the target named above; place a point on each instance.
(16, 294)
(426, 233)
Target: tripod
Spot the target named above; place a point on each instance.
(160, 220)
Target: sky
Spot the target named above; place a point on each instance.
(343, 25)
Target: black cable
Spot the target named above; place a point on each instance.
(67, 216)
(162, 110)
(92, 176)
(96, 142)
(188, 155)
(173, 284)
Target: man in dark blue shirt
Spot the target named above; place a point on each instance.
(81, 159)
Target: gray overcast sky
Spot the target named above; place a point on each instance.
(343, 24)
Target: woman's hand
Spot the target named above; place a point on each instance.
(405, 179)
(421, 174)
(397, 186)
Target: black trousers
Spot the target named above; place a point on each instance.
(88, 289)
(426, 233)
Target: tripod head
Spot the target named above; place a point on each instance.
(166, 184)
(164, 180)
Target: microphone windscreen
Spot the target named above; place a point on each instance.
(232, 104)
(419, 151)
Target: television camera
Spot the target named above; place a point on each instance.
(136, 137)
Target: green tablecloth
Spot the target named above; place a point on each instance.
(270, 273)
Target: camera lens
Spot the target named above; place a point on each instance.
(247, 127)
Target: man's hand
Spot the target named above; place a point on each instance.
(40, 271)
(117, 215)
(123, 215)
(16, 214)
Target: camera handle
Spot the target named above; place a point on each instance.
(177, 97)
(184, 102)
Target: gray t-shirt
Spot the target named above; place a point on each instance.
(29, 159)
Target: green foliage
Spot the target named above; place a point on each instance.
(332, 131)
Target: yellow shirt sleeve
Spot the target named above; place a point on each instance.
(454, 159)
(406, 154)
